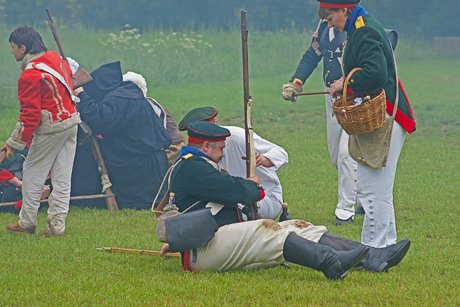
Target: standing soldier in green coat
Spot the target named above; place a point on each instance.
(368, 47)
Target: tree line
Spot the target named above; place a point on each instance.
(422, 19)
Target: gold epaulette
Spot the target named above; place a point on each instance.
(187, 156)
(359, 22)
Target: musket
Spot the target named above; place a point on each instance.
(136, 251)
(249, 133)
(311, 93)
(81, 77)
(82, 197)
(111, 203)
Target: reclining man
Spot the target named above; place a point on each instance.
(196, 180)
(270, 158)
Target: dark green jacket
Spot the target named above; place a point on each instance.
(194, 179)
(368, 47)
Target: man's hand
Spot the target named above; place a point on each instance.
(261, 160)
(289, 89)
(164, 249)
(9, 151)
(336, 87)
(46, 192)
(77, 91)
(256, 179)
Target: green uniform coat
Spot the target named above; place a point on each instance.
(194, 179)
(368, 47)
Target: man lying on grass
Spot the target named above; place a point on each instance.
(197, 181)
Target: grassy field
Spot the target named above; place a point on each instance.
(183, 74)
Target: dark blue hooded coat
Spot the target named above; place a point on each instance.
(132, 144)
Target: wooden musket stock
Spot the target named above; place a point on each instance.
(110, 201)
(136, 251)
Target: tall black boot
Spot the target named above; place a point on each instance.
(377, 260)
(333, 264)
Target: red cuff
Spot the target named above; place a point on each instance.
(4, 176)
(349, 89)
(262, 195)
(18, 205)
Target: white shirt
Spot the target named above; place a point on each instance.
(232, 162)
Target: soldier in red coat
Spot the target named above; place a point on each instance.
(49, 120)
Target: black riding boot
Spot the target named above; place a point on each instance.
(333, 264)
(377, 260)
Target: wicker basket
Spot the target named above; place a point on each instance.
(364, 118)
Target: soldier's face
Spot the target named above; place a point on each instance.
(18, 51)
(337, 19)
(215, 151)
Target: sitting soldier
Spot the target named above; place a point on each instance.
(270, 158)
(197, 181)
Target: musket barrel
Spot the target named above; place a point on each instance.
(249, 133)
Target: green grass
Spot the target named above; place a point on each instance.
(38, 271)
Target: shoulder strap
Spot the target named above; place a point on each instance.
(54, 73)
(397, 85)
(336, 42)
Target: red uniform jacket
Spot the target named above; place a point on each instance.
(46, 105)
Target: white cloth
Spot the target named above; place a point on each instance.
(74, 66)
(53, 152)
(337, 141)
(251, 244)
(271, 205)
(375, 193)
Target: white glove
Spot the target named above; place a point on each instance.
(73, 65)
(289, 89)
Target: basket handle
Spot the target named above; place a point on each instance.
(345, 85)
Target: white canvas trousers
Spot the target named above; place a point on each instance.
(337, 141)
(49, 153)
(251, 244)
(375, 193)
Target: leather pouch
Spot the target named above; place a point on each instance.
(191, 230)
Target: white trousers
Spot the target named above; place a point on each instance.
(251, 244)
(49, 153)
(375, 193)
(337, 141)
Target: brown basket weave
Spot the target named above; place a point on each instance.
(364, 118)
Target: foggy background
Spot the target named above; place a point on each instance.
(413, 19)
